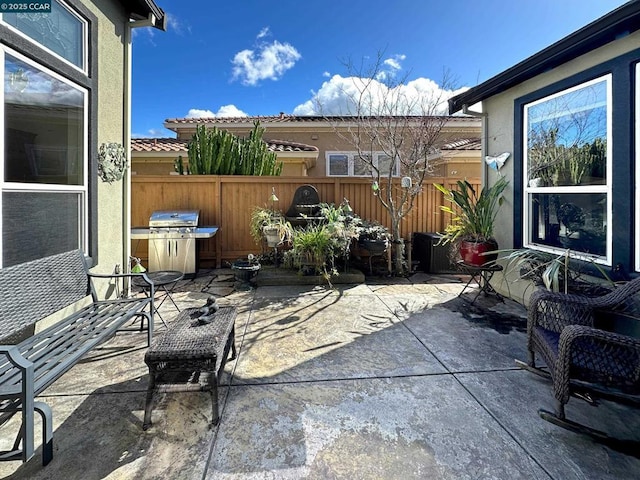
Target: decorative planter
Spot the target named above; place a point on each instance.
(472, 252)
(273, 236)
(375, 247)
(244, 271)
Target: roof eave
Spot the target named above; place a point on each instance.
(619, 22)
(146, 9)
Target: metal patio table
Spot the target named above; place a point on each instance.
(164, 282)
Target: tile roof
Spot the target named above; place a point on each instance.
(177, 145)
(464, 144)
(285, 146)
(282, 118)
(158, 145)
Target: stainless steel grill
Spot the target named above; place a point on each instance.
(172, 238)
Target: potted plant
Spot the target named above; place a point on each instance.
(246, 270)
(473, 216)
(270, 225)
(313, 247)
(373, 237)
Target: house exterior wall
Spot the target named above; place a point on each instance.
(501, 119)
(111, 117)
(325, 137)
(503, 131)
(162, 163)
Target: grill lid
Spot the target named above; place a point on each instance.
(174, 218)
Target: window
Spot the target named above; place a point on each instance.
(62, 31)
(350, 164)
(44, 161)
(567, 170)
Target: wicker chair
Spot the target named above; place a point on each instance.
(572, 334)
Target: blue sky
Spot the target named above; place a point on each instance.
(255, 57)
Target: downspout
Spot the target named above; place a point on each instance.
(150, 21)
(126, 134)
(484, 135)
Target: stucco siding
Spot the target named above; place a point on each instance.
(111, 57)
(500, 120)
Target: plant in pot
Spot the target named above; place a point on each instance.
(473, 216)
(271, 225)
(246, 270)
(313, 247)
(373, 237)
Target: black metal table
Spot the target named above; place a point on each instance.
(481, 276)
(164, 282)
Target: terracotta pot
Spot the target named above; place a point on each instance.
(471, 252)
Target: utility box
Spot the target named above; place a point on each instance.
(433, 258)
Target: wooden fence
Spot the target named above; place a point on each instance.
(227, 202)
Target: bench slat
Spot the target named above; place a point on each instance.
(54, 350)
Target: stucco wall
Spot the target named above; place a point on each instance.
(500, 121)
(325, 138)
(111, 49)
(500, 138)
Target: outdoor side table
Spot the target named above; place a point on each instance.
(481, 276)
(164, 282)
(187, 349)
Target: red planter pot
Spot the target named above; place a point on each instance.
(472, 252)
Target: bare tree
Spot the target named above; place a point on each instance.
(387, 120)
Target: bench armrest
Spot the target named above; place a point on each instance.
(13, 355)
(603, 356)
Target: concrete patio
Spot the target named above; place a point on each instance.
(393, 378)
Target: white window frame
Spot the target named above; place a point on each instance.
(83, 190)
(603, 189)
(85, 38)
(351, 157)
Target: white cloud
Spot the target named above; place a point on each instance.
(269, 61)
(176, 25)
(326, 74)
(336, 97)
(198, 113)
(224, 111)
(394, 63)
(155, 133)
(230, 111)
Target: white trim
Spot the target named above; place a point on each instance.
(587, 189)
(351, 162)
(83, 189)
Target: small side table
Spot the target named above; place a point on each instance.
(164, 282)
(481, 275)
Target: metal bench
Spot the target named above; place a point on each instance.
(187, 348)
(30, 362)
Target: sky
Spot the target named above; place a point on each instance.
(261, 57)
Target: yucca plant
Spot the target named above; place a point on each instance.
(556, 271)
